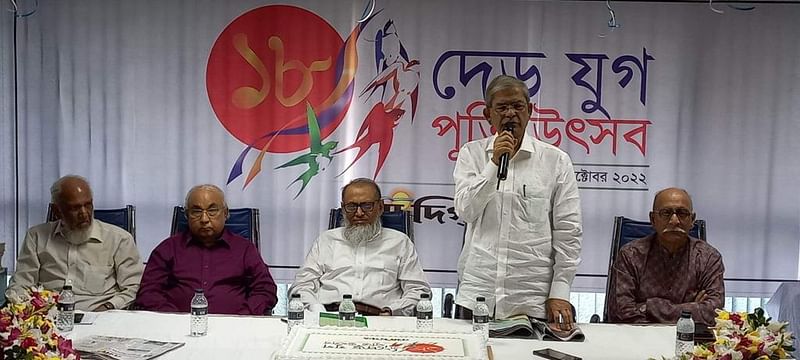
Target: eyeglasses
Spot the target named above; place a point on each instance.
(503, 108)
(198, 213)
(365, 206)
(666, 214)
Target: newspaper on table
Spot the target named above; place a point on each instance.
(121, 348)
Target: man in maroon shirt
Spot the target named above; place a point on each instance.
(226, 266)
(658, 276)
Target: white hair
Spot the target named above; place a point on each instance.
(209, 187)
(58, 186)
(505, 82)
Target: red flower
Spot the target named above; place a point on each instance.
(45, 327)
(737, 319)
(15, 334)
(746, 355)
(744, 342)
(65, 348)
(38, 303)
(28, 342)
(5, 322)
(25, 314)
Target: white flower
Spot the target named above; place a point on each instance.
(776, 327)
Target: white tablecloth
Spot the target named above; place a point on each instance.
(245, 338)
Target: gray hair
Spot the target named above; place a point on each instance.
(209, 187)
(504, 82)
(362, 181)
(58, 186)
(655, 198)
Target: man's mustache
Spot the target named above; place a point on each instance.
(674, 230)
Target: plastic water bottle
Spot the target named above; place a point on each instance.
(684, 341)
(425, 313)
(347, 311)
(199, 317)
(296, 309)
(480, 318)
(66, 308)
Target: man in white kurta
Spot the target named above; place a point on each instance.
(523, 240)
(378, 266)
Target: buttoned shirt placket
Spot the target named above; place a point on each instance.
(360, 260)
(72, 261)
(506, 202)
(204, 272)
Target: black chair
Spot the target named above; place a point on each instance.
(396, 219)
(122, 217)
(627, 230)
(447, 306)
(243, 222)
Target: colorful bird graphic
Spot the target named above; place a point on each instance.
(398, 82)
(377, 128)
(316, 149)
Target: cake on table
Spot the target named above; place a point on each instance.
(334, 343)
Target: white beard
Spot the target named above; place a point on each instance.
(356, 234)
(77, 237)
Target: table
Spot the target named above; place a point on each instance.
(245, 338)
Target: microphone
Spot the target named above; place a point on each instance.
(502, 170)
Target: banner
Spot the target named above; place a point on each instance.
(281, 104)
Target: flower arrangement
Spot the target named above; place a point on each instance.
(27, 330)
(743, 336)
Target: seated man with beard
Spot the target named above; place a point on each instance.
(100, 259)
(378, 266)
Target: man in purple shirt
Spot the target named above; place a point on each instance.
(226, 266)
(658, 276)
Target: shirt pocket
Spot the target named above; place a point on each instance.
(95, 278)
(535, 214)
(389, 272)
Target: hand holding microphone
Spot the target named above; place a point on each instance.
(504, 145)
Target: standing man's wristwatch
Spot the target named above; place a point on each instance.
(643, 308)
(108, 306)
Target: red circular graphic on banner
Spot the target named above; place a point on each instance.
(263, 69)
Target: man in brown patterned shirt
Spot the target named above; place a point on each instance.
(658, 276)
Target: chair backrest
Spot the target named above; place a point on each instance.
(243, 222)
(122, 217)
(627, 230)
(396, 219)
(447, 306)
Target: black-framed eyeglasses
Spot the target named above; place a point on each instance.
(197, 213)
(666, 214)
(503, 108)
(365, 206)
